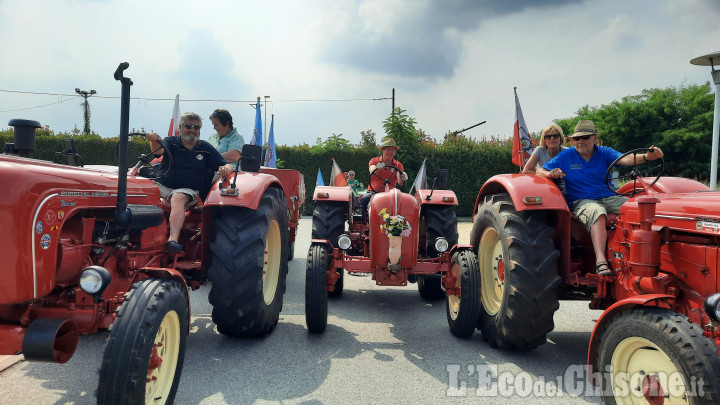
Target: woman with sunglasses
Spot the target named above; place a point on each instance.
(584, 167)
(551, 143)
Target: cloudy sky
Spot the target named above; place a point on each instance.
(329, 66)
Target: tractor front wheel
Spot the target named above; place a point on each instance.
(316, 294)
(519, 280)
(654, 355)
(249, 267)
(144, 352)
(437, 221)
(462, 310)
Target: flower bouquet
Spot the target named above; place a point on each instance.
(394, 225)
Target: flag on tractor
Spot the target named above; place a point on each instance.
(319, 181)
(175, 119)
(421, 179)
(337, 177)
(270, 157)
(522, 146)
(257, 138)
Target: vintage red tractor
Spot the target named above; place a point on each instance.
(85, 250)
(428, 252)
(658, 336)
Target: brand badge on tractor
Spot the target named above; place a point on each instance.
(39, 227)
(50, 217)
(45, 241)
(61, 215)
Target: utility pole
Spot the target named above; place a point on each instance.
(265, 123)
(393, 101)
(713, 60)
(86, 107)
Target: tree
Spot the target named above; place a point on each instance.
(367, 140)
(401, 127)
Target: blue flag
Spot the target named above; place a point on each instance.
(319, 181)
(270, 157)
(257, 138)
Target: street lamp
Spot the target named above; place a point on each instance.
(712, 60)
(86, 107)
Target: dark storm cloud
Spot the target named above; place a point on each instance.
(417, 46)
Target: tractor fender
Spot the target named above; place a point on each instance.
(519, 186)
(649, 300)
(165, 274)
(437, 197)
(251, 187)
(332, 193)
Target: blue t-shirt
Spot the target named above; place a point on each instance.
(191, 169)
(584, 179)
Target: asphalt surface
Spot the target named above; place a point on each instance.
(382, 345)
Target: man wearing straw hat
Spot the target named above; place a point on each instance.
(584, 167)
(394, 176)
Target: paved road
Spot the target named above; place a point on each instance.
(382, 345)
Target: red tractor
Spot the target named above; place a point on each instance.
(85, 250)
(658, 336)
(427, 252)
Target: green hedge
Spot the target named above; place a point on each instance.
(470, 163)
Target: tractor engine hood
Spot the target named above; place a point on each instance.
(697, 212)
(38, 198)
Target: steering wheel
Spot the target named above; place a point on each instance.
(386, 181)
(632, 173)
(144, 165)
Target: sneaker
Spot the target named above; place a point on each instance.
(174, 247)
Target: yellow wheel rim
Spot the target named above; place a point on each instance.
(271, 269)
(642, 373)
(492, 271)
(163, 360)
(454, 300)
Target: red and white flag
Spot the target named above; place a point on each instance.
(337, 177)
(175, 120)
(522, 145)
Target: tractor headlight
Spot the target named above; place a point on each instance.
(441, 244)
(94, 279)
(712, 307)
(344, 242)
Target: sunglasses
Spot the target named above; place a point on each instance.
(190, 126)
(583, 137)
(552, 136)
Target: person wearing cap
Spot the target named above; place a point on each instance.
(584, 166)
(551, 143)
(226, 138)
(395, 175)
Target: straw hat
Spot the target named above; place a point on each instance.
(584, 127)
(389, 143)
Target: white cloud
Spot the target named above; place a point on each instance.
(453, 64)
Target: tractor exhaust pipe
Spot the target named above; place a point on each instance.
(122, 214)
(48, 339)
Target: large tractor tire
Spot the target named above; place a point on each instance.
(144, 352)
(329, 223)
(439, 221)
(316, 294)
(654, 355)
(462, 311)
(249, 267)
(519, 280)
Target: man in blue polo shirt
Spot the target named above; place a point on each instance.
(584, 167)
(193, 161)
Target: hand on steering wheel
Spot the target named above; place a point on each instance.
(634, 174)
(385, 181)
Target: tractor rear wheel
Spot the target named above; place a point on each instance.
(439, 221)
(462, 311)
(654, 355)
(316, 294)
(249, 267)
(144, 352)
(519, 280)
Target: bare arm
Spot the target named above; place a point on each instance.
(155, 142)
(530, 165)
(555, 173)
(631, 160)
(232, 155)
